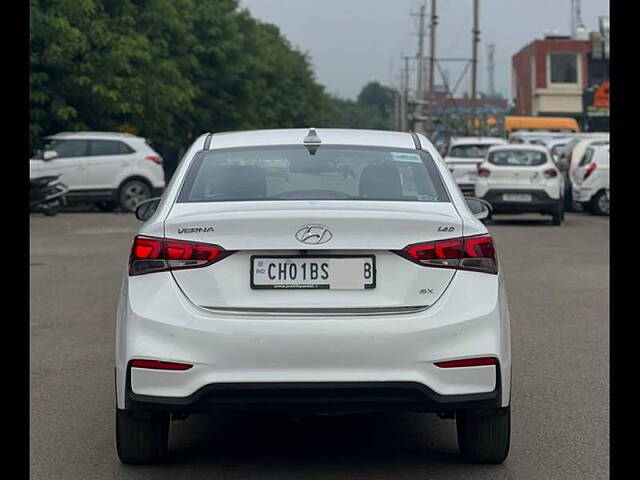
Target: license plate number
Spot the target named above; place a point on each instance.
(334, 273)
(516, 197)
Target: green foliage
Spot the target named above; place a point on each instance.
(174, 69)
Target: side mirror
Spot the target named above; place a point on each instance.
(481, 209)
(49, 155)
(146, 209)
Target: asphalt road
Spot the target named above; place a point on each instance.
(558, 289)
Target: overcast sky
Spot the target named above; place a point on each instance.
(352, 42)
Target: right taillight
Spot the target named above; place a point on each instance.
(150, 254)
(470, 253)
(590, 168)
(550, 173)
(484, 172)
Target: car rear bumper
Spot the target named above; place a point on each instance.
(313, 397)
(467, 189)
(582, 195)
(540, 201)
(318, 363)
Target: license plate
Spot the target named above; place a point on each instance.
(326, 272)
(516, 197)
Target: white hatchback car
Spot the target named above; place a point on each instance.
(104, 168)
(464, 156)
(521, 178)
(358, 281)
(591, 180)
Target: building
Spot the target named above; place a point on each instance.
(560, 75)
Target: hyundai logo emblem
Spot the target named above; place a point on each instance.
(314, 234)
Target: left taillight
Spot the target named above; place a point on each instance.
(150, 254)
(590, 168)
(476, 253)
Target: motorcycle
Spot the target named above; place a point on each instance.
(47, 194)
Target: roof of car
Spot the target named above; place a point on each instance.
(588, 141)
(98, 135)
(520, 146)
(328, 136)
(476, 140)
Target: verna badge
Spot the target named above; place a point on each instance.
(313, 234)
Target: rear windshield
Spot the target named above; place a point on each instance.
(469, 151)
(518, 158)
(322, 173)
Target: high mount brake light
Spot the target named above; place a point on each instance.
(469, 253)
(589, 170)
(151, 254)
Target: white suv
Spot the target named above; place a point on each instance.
(108, 169)
(360, 280)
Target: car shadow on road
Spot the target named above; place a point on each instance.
(345, 446)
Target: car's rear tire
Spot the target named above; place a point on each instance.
(484, 435)
(50, 211)
(141, 439)
(106, 205)
(599, 205)
(132, 193)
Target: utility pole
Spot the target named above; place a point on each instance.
(475, 37)
(420, 56)
(491, 48)
(404, 88)
(432, 54)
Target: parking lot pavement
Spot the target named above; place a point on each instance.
(557, 285)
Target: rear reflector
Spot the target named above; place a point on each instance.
(158, 365)
(468, 253)
(467, 362)
(151, 254)
(154, 158)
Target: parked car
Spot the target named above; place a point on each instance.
(464, 156)
(319, 293)
(572, 160)
(519, 179)
(591, 180)
(105, 168)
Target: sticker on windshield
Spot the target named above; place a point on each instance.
(406, 157)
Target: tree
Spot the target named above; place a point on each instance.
(375, 95)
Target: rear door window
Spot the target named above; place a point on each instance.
(106, 147)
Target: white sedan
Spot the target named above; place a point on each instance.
(360, 280)
(521, 178)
